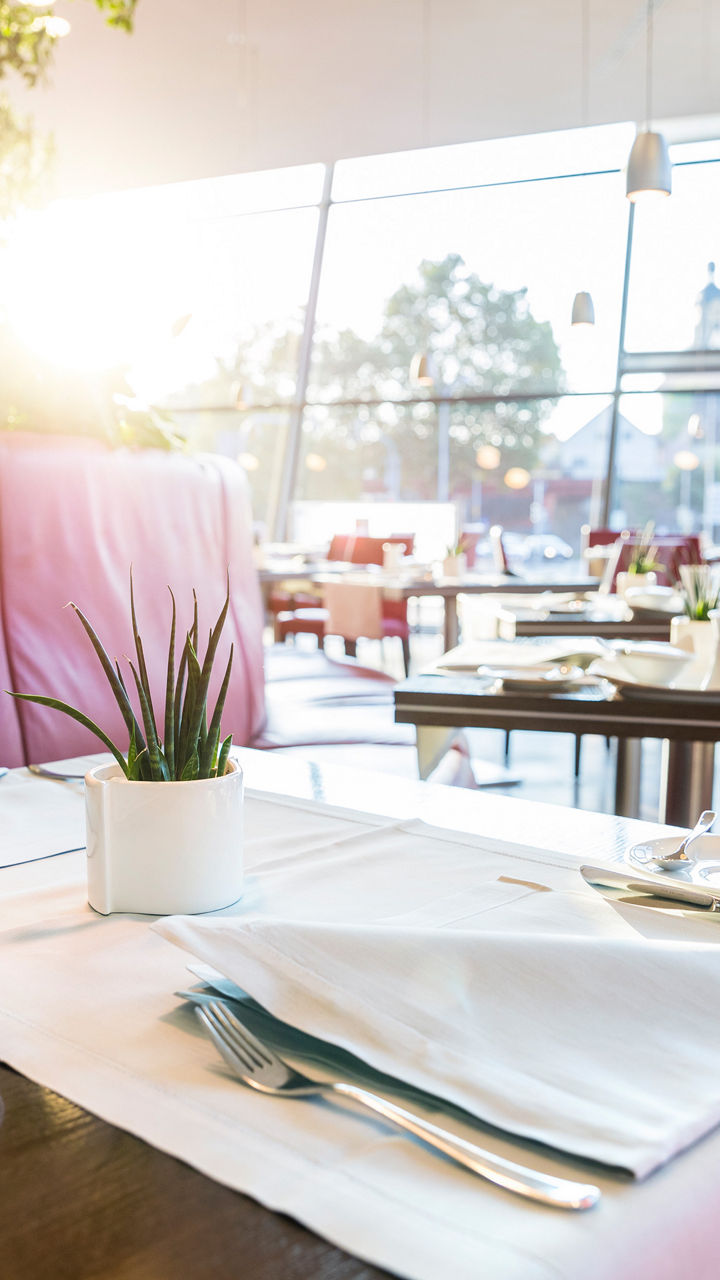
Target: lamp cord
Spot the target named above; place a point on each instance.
(649, 66)
(585, 48)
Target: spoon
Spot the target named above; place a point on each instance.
(679, 858)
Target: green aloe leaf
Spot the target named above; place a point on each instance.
(142, 668)
(153, 746)
(178, 702)
(116, 684)
(224, 755)
(135, 774)
(74, 715)
(194, 633)
(191, 769)
(169, 729)
(213, 640)
(214, 730)
(187, 744)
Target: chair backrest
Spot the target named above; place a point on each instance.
(74, 515)
(360, 549)
(354, 610)
(470, 539)
(671, 550)
(601, 537)
(497, 546)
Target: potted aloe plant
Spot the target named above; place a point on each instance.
(455, 560)
(644, 566)
(164, 822)
(695, 630)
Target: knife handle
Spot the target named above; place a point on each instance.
(658, 888)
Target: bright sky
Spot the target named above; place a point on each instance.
(99, 282)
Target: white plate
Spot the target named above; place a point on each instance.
(703, 869)
(544, 676)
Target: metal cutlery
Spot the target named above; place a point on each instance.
(41, 772)
(257, 1066)
(678, 891)
(679, 859)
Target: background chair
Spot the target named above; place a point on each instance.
(671, 550)
(314, 619)
(355, 611)
(499, 551)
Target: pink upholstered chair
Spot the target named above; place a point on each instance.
(74, 515)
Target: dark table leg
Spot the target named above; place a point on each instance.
(687, 781)
(627, 777)
(450, 629)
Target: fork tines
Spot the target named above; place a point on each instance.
(232, 1038)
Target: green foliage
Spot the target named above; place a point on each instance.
(644, 559)
(24, 162)
(27, 39)
(700, 590)
(38, 395)
(191, 747)
(482, 340)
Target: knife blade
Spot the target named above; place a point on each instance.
(653, 886)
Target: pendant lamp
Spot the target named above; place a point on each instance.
(583, 311)
(649, 169)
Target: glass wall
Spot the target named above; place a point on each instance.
(397, 332)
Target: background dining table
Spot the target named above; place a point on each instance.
(82, 1199)
(449, 698)
(410, 582)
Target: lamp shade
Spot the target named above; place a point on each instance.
(583, 311)
(649, 168)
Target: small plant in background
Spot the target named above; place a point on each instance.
(700, 590)
(643, 558)
(186, 746)
(459, 547)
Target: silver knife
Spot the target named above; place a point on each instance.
(665, 888)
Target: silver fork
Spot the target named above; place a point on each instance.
(260, 1068)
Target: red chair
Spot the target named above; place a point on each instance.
(469, 540)
(670, 549)
(313, 620)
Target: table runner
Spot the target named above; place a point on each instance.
(88, 1009)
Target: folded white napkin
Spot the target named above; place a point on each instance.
(535, 1006)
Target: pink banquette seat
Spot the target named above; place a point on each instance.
(74, 515)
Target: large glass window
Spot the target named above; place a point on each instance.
(674, 241)
(414, 329)
(666, 467)
(481, 281)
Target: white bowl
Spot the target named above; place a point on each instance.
(649, 661)
(661, 599)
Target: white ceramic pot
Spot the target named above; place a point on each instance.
(393, 553)
(712, 680)
(454, 566)
(163, 848)
(624, 581)
(699, 638)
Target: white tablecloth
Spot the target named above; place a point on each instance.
(87, 1007)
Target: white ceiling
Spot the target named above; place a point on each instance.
(205, 87)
